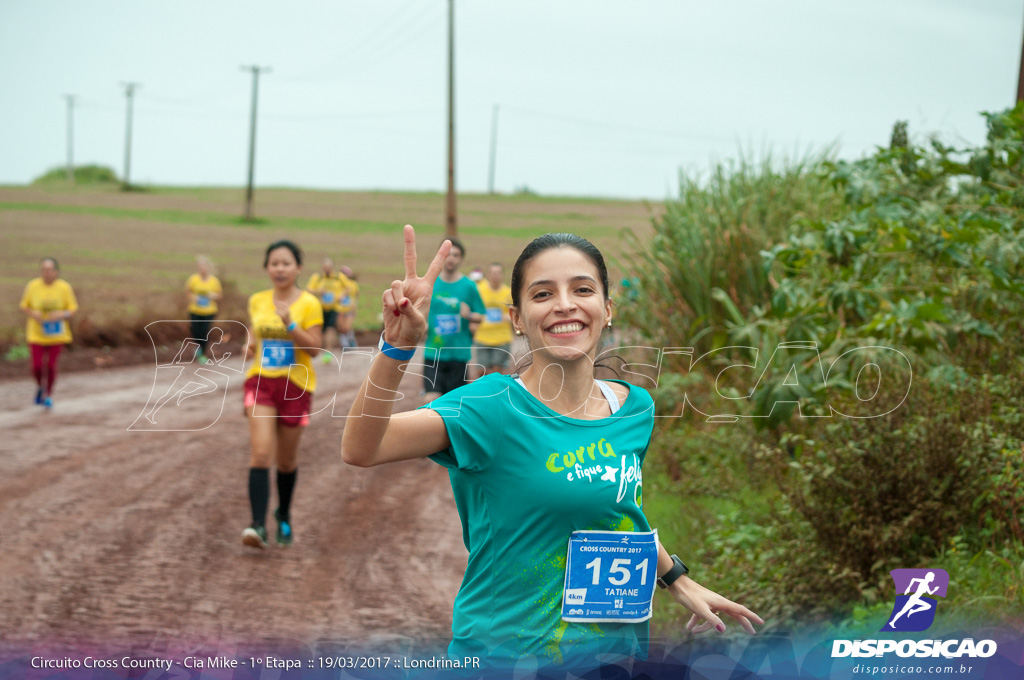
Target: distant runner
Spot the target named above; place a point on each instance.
(347, 308)
(492, 341)
(204, 291)
(454, 312)
(48, 302)
(329, 287)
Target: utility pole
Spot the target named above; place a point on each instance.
(129, 92)
(256, 70)
(1020, 76)
(70, 98)
(451, 229)
(494, 149)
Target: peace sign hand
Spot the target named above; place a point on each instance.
(407, 302)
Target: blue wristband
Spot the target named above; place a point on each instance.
(292, 326)
(393, 352)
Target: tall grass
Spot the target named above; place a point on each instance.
(703, 264)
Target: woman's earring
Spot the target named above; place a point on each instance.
(518, 332)
(609, 323)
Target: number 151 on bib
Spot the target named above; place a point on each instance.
(610, 576)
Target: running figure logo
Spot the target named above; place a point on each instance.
(914, 610)
(185, 377)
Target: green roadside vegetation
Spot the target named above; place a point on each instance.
(856, 329)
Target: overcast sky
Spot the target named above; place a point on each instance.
(595, 97)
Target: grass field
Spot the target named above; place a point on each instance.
(128, 254)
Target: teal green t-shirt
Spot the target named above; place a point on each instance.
(524, 478)
(447, 332)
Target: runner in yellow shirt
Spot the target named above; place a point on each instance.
(347, 308)
(493, 338)
(329, 288)
(285, 332)
(48, 302)
(204, 291)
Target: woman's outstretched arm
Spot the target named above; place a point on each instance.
(372, 434)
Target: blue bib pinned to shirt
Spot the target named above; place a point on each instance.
(610, 576)
(278, 353)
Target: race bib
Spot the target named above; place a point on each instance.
(278, 353)
(610, 576)
(202, 301)
(53, 327)
(328, 298)
(448, 324)
(495, 315)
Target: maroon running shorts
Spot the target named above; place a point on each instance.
(282, 394)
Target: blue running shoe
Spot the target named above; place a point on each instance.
(284, 529)
(48, 403)
(39, 397)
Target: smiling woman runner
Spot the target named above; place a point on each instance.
(285, 325)
(545, 467)
(48, 302)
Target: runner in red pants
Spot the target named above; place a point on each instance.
(48, 302)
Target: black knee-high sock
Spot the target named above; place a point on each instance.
(285, 486)
(259, 494)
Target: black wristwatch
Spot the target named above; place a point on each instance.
(672, 575)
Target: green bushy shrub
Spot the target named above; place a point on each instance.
(84, 174)
(885, 492)
(864, 496)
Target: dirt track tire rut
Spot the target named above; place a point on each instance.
(110, 535)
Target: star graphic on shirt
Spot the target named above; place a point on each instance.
(609, 473)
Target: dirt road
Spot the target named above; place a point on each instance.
(110, 535)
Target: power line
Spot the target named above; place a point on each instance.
(608, 125)
(389, 37)
(400, 44)
(219, 90)
(387, 54)
(368, 36)
(374, 115)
